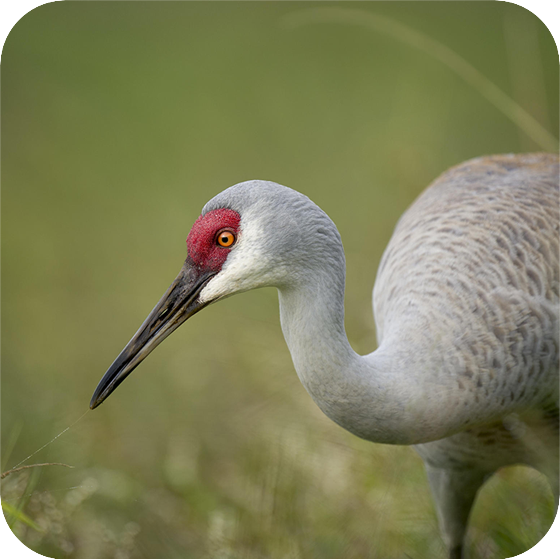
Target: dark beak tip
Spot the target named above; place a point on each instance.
(95, 401)
(179, 303)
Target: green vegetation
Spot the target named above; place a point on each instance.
(120, 120)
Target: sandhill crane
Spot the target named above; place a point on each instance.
(466, 307)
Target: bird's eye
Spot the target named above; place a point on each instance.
(225, 238)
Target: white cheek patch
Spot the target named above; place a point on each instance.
(246, 265)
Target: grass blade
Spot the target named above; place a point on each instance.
(388, 26)
(18, 515)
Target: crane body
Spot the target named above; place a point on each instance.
(466, 304)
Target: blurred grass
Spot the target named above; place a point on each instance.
(120, 120)
(487, 89)
(16, 514)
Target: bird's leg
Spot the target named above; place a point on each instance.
(454, 491)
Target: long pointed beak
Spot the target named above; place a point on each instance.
(179, 303)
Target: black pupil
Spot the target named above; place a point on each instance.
(225, 239)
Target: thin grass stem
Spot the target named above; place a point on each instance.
(388, 26)
(20, 468)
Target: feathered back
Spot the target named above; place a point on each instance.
(470, 278)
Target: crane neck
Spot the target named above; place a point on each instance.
(354, 391)
(377, 396)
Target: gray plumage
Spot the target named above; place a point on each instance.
(466, 306)
(472, 268)
(467, 309)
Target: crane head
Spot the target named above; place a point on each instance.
(254, 234)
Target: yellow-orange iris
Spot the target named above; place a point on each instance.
(226, 238)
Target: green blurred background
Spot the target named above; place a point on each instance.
(120, 120)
